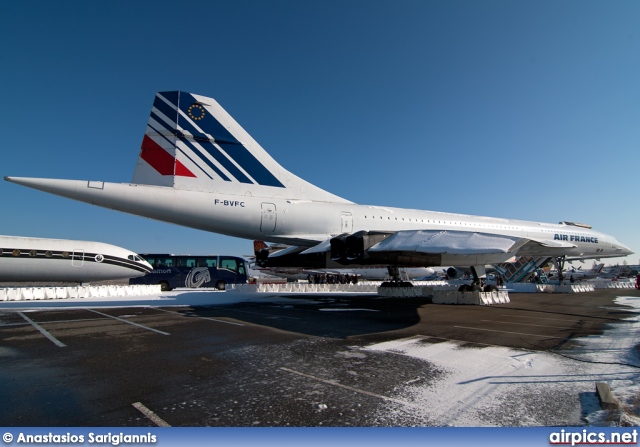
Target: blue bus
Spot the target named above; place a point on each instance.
(172, 271)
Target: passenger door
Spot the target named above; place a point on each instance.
(269, 217)
(347, 222)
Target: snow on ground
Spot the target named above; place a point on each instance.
(498, 386)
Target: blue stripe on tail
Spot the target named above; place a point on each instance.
(223, 138)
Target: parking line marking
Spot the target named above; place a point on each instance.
(540, 325)
(150, 415)
(130, 322)
(202, 318)
(506, 332)
(565, 320)
(43, 331)
(347, 387)
(263, 314)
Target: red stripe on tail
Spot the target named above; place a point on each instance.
(161, 160)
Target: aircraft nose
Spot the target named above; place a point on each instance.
(624, 251)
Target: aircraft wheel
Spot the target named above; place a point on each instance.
(220, 285)
(164, 286)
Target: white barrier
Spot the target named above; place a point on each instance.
(14, 294)
(549, 288)
(49, 293)
(608, 284)
(405, 292)
(303, 288)
(473, 298)
(59, 293)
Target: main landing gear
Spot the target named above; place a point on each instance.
(396, 281)
(478, 284)
(559, 261)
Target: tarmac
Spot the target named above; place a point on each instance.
(267, 360)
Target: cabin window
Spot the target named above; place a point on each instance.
(65, 254)
(16, 252)
(187, 262)
(207, 262)
(229, 263)
(33, 253)
(48, 254)
(164, 262)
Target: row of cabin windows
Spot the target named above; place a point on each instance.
(446, 222)
(32, 253)
(475, 225)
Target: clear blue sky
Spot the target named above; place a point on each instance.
(516, 109)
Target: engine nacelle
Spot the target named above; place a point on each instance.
(338, 248)
(352, 249)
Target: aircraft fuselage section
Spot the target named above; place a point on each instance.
(306, 223)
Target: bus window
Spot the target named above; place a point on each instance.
(164, 262)
(186, 262)
(151, 261)
(208, 262)
(229, 263)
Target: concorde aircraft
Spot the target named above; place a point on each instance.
(198, 168)
(63, 260)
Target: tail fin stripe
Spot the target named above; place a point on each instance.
(192, 156)
(161, 122)
(251, 165)
(234, 149)
(159, 134)
(215, 153)
(226, 150)
(168, 110)
(162, 113)
(161, 160)
(235, 155)
(206, 121)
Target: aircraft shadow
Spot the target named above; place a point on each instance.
(329, 316)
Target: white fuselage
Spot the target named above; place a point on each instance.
(61, 260)
(306, 223)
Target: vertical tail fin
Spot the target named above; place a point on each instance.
(191, 142)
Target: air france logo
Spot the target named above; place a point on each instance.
(575, 238)
(196, 111)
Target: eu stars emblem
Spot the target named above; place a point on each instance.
(196, 111)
